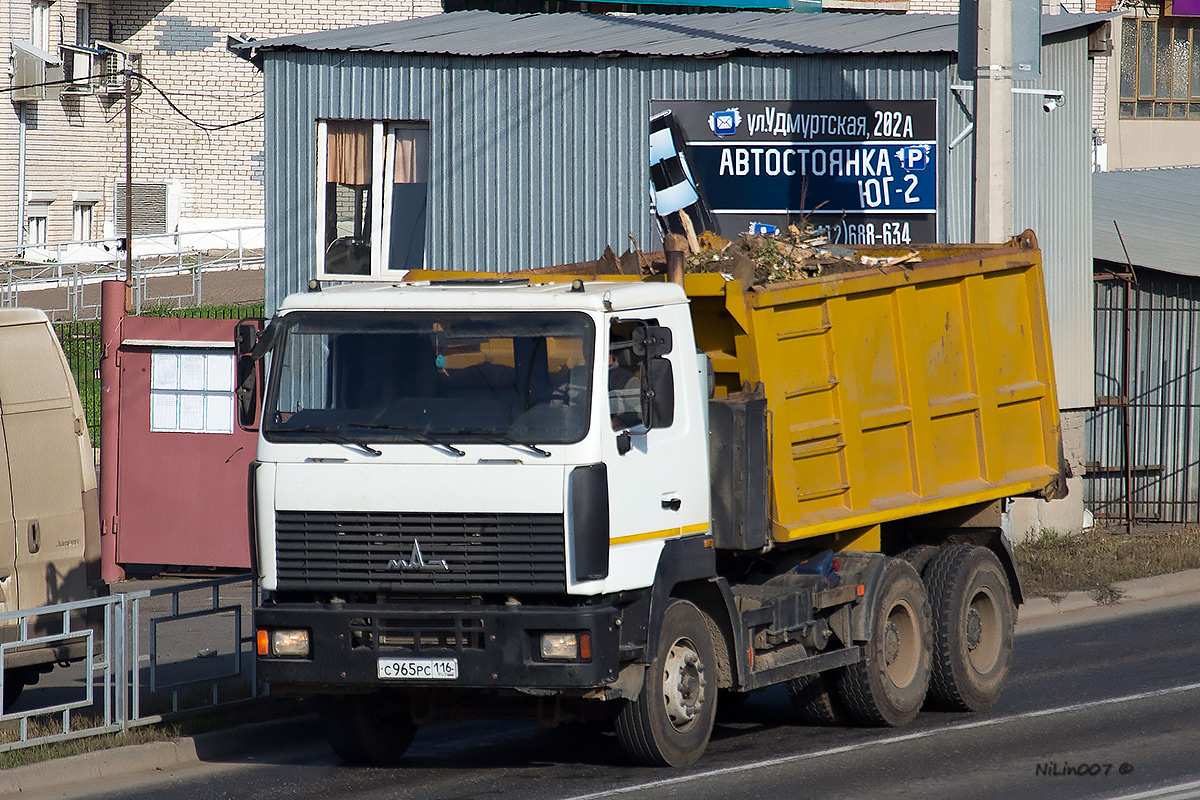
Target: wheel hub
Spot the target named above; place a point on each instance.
(891, 644)
(684, 684)
(974, 629)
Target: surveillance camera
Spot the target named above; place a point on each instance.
(1052, 102)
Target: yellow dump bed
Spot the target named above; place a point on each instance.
(892, 391)
(895, 391)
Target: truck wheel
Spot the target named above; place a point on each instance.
(815, 699)
(919, 556)
(888, 686)
(972, 628)
(367, 729)
(670, 722)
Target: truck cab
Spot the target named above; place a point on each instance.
(510, 459)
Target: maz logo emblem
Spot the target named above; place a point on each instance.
(417, 561)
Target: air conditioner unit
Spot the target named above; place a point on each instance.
(114, 61)
(35, 74)
(81, 66)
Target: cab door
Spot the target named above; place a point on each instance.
(657, 472)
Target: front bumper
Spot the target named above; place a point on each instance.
(496, 646)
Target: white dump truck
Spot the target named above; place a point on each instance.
(574, 496)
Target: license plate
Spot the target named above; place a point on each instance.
(418, 669)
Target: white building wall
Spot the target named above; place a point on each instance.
(76, 143)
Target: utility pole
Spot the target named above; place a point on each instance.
(993, 123)
(128, 187)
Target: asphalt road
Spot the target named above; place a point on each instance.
(1106, 706)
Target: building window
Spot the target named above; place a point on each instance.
(36, 228)
(83, 24)
(39, 24)
(373, 195)
(82, 228)
(1160, 69)
(191, 391)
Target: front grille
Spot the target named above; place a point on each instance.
(340, 551)
(417, 635)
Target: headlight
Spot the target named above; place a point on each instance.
(569, 646)
(283, 643)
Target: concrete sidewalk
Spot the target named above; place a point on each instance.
(1130, 597)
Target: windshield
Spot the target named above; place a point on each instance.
(431, 377)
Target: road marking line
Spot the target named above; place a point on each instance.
(905, 737)
(1180, 791)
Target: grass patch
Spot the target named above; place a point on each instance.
(1053, 563)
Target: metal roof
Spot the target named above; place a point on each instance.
(1158, 212)
(487, 33)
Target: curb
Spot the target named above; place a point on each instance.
(62, 773)
(1138, 590)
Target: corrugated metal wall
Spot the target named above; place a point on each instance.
(1162, 401)
(539, 161)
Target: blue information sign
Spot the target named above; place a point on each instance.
(867, 169)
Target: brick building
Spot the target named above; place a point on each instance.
(66, 151)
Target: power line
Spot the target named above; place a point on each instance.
(141, 76)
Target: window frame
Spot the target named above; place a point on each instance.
(380, 198)
(83, 24)
(83, 220)
(39, 24)
(1146, 88)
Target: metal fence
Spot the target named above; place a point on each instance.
(1143, 457)
(66, 275)
(139, 657)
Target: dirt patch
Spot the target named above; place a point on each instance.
(1093, 560)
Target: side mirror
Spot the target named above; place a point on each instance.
(246, 393)
(658, 394)
(651, 340)
(245, 337)
(248, 342)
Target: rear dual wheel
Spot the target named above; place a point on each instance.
(887, 687)
(973, 621)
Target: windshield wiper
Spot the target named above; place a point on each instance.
(326, 435)
(410, 431)
(493, 437)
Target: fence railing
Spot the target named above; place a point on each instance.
(137, 657)
(69, 268)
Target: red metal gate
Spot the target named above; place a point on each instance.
(181, 461)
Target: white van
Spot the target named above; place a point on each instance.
(49, 505)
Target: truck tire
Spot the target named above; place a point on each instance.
(887, 688)
(919, 556)
(670, 722)
(972, 628)
(814, 697)
(367, 729)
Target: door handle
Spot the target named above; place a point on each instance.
(673, 504)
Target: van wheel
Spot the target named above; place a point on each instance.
(670, 722)
(887, 687)
(367, 728)
(814, 697)
(14, 684)
(972, 628)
